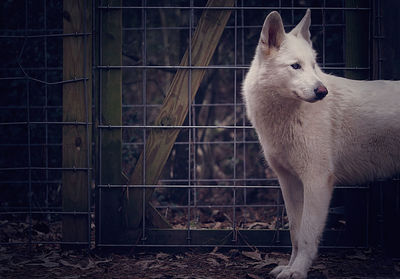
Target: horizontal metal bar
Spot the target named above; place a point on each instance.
(31, 30)
(198, 142)
(45, 122)
(42, 209)
(46, 212)
(45, 168)
(226, 27)
(347, 68)
(76, 34)
(108, 67)
(191, 245)
(171, 127)
(232, 8)
(218, 206)
(221, 246)
(188, 186)
(32, 69)
(31, 144)
(214, 186)
(44, 82)
(31, 107)
(25, 208)
(46, 242)
(193, 105)
(32, 181)
(270, 180)
(222, 67)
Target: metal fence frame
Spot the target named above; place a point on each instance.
(192, 183)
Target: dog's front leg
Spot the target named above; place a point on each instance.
(317, 195)
(292, 191)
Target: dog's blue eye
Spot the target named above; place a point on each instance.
(296, 66)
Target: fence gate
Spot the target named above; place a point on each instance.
(122, 121)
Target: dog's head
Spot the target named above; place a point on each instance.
(290, 60)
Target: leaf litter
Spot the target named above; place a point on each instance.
(47, 262)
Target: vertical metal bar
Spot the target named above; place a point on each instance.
(380, 209)
(244, 114)
(30, 193)
(379, 34)
(344, 33)
(370, 61)
(46, 147)
(234, 238)
(323, 35)
(144, 99)
(194, 137)
(95, 169)
(100, 73)
(381, 217)
(369, 38)
(189, 119)
(88, 142)
(292, 12)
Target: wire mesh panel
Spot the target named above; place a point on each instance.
(32, 120)
(199, 180)
(215, 177)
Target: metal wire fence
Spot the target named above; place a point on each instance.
(215, 177)
(31, 128)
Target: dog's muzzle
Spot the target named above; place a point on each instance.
(320, 92)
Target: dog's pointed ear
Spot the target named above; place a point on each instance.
(273, 33)
(303, 28)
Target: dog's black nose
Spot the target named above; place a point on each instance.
(320, 92)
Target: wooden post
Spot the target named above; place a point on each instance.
(175, 107)
(111, 114)
(357, 44)
(386, 40)
(77, 107)
(385, 211)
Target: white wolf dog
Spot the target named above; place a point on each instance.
(313, 139)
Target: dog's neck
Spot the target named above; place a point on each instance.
(276, 112)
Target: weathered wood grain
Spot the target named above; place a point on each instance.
(111, 114)
(77, 58)
(175, 106)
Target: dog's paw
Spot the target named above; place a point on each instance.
(277, 270)
(289, 273)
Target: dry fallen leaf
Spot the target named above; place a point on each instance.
(44, 264)
(161, 256)
(319, 266)
(259, 225)
(89, 265)
(252, 255)
(358, 256)
(144, 264)
(213, 262)
(220, 256)
(253, 276)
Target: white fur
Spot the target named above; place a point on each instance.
(350, 136)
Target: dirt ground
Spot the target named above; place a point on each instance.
(47, 262)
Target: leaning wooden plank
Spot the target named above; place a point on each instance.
(153, 216)
(109, 199)
(175, 107)
(77, 100)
